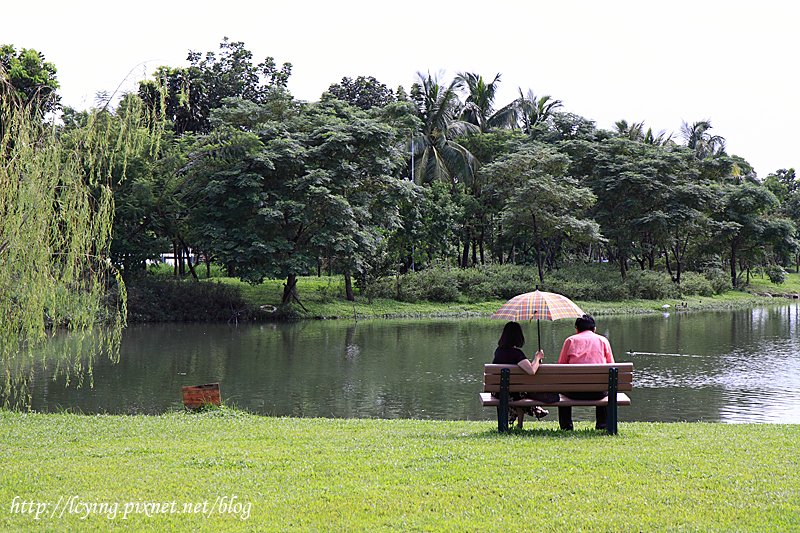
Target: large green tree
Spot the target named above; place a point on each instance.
(365, 92)
(749, 226)
(273, 196)
(544, 206)
(32, 78)
(632, 182)
(194, 91)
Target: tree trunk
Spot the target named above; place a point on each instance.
(480, 242)
(540, 264)
(465, 253)
(733, 263)
(623, 262)
(679, 254)
(290, 289)
(498, 243)
(348, 287)
(667, 264)
(207, 259)
(231, 269)
(189, 260)
(174, 258)
(474, 253)
(181, 264)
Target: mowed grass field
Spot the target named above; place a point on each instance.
(227, 470)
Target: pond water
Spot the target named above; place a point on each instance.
(733, 366)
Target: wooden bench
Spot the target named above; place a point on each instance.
(503, 379)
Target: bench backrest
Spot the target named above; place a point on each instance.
(558, 378)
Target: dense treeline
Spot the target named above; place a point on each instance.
(373, 183)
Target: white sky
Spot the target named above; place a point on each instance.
(733, 62)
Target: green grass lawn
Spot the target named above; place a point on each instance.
(761, 284)
(322, 297)
(399, 475)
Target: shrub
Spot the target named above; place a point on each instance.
(484, 290)
(650, 285)
(599, 282)
(693, 283)
(472, 281)
(720, 281)
(511, 280)
(408, 289)
(155, 299)
(437, 285)
(384, 287)
(776, 274)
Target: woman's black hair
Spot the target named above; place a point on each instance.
(584, 323)
(512, 336)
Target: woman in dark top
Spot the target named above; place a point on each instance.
(508, 353)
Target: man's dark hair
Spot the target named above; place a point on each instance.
(511, 336)
(584, 323)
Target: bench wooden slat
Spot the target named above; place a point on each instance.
(558, 387)
(561, 369)
(536, 379)
(489, 401)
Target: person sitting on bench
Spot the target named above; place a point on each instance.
(585, 347)
(508, 353)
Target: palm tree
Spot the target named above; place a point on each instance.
(437, 155)
(478, 106)
(632, 131)
(635, 132)
(533, 112)
(660, 139)
(703, 143)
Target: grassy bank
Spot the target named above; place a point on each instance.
(320, 296)
(443, 292)
(351, 475)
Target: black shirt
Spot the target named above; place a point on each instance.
(508, 356)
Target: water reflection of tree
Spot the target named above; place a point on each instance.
(66, 361)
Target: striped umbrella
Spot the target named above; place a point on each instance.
(539, 305)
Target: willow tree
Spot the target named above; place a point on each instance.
(56, 212)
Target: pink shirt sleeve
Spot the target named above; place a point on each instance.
(609, 355)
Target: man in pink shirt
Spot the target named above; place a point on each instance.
(587, 348)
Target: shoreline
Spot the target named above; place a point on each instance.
(731, 300)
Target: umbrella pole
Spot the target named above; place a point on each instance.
(539, 333)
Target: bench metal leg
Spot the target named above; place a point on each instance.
(502, 409)
(613, 382)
